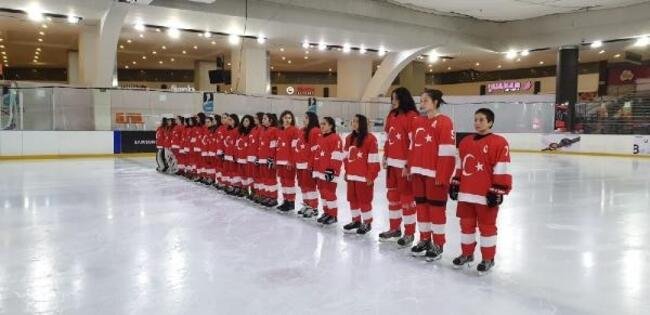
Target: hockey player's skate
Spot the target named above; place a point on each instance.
(322, 218)
(364, 228)
(461, 260)
(434, 253)
(330, 220)
(302, 210)
(484, 266)
(405, 241)
(421, 247)
(310, 213)
(351, 227)
(390, 235)
(287, 206)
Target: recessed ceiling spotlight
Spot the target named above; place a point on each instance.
(511, 54)
(233, 39)
(158, 30)
(44, 25)
(229, 64)
(154, 52)
(34, 14)
(289, 61)
(121, 46)
(184, 52)
(499, 67)
(322, 46)
(195, 47)
(433, 57)
(284, 58)
(173, 33)
(330, 69)
(139, 26)
(346, 48)
(382, 51)
(306, 57)
(362, 50)
(73, 19)
(306, 52)
(38, 48)
(272, 68)
(134, 62)
(281, 49)
(541, 62)
(305, 44)
(642, 41)
(477, 64)
(141, 36)
(601, 52)
(129, 41)
(448, 68)
(213, 43)
(41, 33)
(172, 59)
(207, 34)
(261, 39)
(163, 47)
(617, 56)
(40, 40)
(518, 59)
(525, 53)
(160, 62)
(596, 44)
(126, 67)
(144, 57)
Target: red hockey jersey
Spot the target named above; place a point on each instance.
(304, 150)
(287, 141)
(361, 163)
(177, 136)
(432, 151)
(253, 143)
(229, 138)
(268, 144)
(187, 139)
(328, 155)
(397, 142)
(218, 139)
(241, 148)
(160, 137)
(483, 163)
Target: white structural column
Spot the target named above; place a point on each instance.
(202, 75)
(73, 67)
(98, 48)
(250, 69)
(390, 67)
(352, 76)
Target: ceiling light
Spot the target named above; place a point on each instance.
(36, 57)
(129, 41)
(596, 44)
(214, 43)
(617, 56)
(154, 52)
(199, 35)
(289, 62)
(1, 39)
(430, 70)
(174, 33)
(306, 52)
(44, 25)
(160, 62)
(172, 59)
(448, 68)
(322, 46)
(144, 57)
(306, 57)
(164, 47)
(35, 15)
(477, 64)
(158, 30)
(541, 62)
(139, 26)
(362, 50)
(346, 48)
(281, 49)
(432, 58)
(601, 52)
(518, 59)
(499, 67)
(184, 52)
(73, 19)
(261, 39)
(229, 64)
(272, 68)
(195, 47)
(642, 41)
(141, 36)
(284, 58)
(41, 33)
(430, 65)
(511, 54)
(305, 45)
(525, 52)
(233, 39)
(207, 34)
(40, 40)
(382, 51)
(134, 62)
(121, 46)
(38, 48)
(35, 61)
(444, 59)
(2, 46)
(4, 52)
(330, 69)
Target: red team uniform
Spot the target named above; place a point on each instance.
(482, 167)
(267, 148)
(361, 167)
(251, 158)
(328, 158)
(304, 156)
(399, 192)
(431, 162)
(287, 139)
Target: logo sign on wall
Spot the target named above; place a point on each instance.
(641, 145)
(509, 86)
(134, 141)
(301, 90)
(208, 102)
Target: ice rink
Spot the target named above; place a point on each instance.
(112, 236)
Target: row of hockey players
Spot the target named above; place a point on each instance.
(423, 169)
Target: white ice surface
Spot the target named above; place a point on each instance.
(104, 236)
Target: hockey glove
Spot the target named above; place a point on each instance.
(454, 188)
(270, 163)
(495, 196)
(329, 174)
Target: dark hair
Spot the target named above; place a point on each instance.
(164, 122)
(435, 95)
(489, 114)
(359, 136)
(273, 119)
(245, 130)
(172, 123)
(405, 100)
(192, 121)
(217, 121)
(235, 118)
(287, 112)
(181, 120)
(259, 116)
(313, 123)
(331, 122)
(201, 119)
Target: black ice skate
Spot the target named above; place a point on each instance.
(287, 206)
(434, 253)
(322, 218)
(390, 235)
(302, 210)
(462, 260)
(485, 266)
(351, 227)
(421, 247)
(405, 241)
(364, 228)
(310, 213)
(330, 220)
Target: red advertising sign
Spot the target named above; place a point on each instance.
(627, 74)
(509, 86)
(305, 90)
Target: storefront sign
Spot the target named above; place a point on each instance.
(509, 86)
(301, 90)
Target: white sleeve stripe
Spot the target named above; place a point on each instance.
(374, 158)
(501, 168)
(447, 150)
(337, 155)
